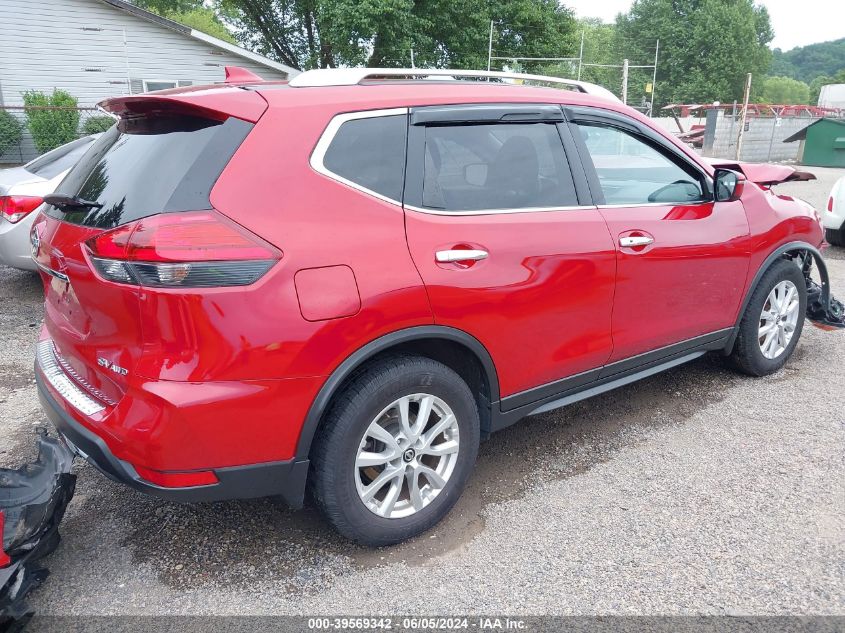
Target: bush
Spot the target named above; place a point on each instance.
(11, 131)
(97, 124)
(53, 120)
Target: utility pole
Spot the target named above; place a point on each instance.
(490, 46)
(625, 81)
(654, 78)
(412, 58)
(744, 114)
(581, 55)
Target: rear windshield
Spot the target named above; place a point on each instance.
(60, 159)
(150, 165)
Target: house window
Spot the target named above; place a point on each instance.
(159, 84)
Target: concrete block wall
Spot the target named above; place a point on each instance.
(762, 141)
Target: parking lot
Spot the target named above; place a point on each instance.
(697, 491)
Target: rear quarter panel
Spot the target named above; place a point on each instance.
(270, 188)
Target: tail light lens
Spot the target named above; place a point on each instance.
(830, 204)
(5, 559)
(16, 208)
(199, 249)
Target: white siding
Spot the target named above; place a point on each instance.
(91, 49)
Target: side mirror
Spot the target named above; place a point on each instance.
(475, 174)
(728, 185)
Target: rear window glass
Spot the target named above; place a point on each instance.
(151, 165)
(60, 159)
(371, 153)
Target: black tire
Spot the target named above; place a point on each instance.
(747, 355)
(332, 479)
(834, 237)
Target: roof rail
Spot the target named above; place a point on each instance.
(354, 76)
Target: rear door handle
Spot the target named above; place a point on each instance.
(460, 255)
(635, 240)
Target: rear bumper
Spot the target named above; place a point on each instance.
(283, 478)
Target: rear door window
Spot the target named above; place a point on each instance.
(151, 165)
(496, 166)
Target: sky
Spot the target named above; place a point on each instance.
(795, 22)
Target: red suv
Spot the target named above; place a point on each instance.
(344, 282)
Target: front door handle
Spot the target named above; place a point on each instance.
(460, 255)
(635, 240)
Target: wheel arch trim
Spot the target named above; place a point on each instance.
(776, 254)
(353, 361)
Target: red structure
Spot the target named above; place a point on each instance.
(756, 109)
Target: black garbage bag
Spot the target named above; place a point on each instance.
(33, 500)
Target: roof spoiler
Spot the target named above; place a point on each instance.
(212, 103)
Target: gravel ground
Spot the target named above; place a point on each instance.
(694, 492)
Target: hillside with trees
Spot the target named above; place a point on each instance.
(806, 63)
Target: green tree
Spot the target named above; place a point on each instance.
(11, 131)
(706, 46)
(163, 7)
(816, 87)
(53, 119)
(97, 124)
(601, 46)
(192, 13)
(784, 90)
(443, 33)
(782, 66)
(202, 19)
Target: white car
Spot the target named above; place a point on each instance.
(833, 216)
(21, 192)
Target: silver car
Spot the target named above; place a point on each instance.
(21, 193)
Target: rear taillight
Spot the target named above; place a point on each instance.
(5, 559)
(198, 249)
(830, 204)
(16, 208)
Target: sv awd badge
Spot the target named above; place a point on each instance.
(105, 362)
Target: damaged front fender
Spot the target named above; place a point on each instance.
(33, 500)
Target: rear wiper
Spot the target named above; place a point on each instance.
(64, 202)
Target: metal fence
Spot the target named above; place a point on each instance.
(28, 132)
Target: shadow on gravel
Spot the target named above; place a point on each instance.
(238, 543)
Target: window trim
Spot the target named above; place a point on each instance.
(499, 211)
(318, 154)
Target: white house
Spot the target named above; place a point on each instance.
(96, 49)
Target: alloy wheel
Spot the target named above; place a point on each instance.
(778, 319)
(407, 455)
